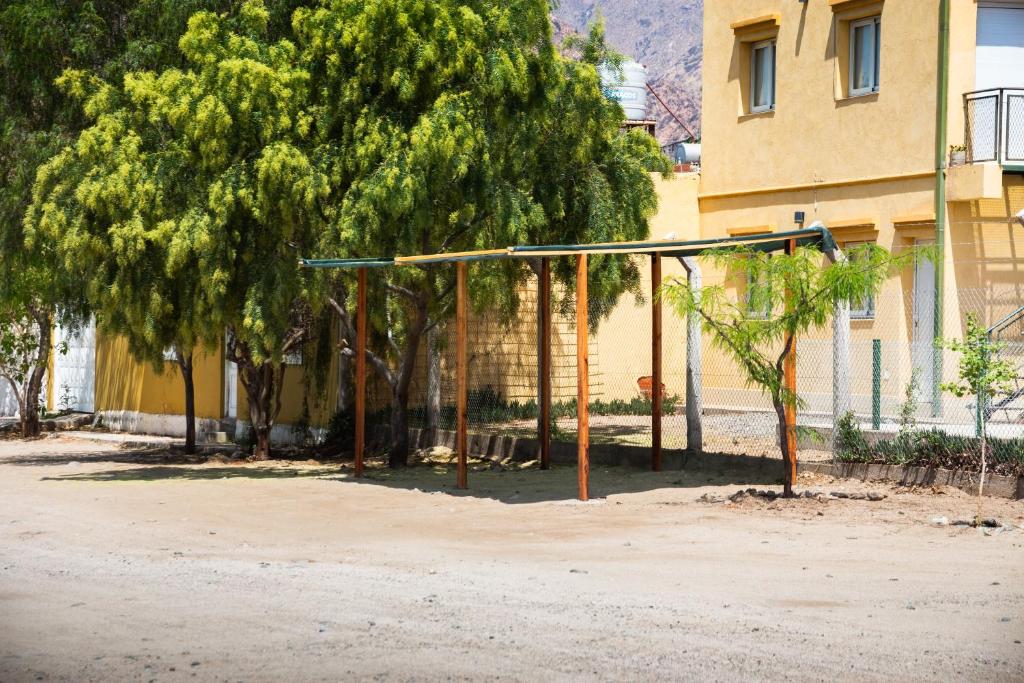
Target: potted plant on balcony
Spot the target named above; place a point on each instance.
(957, 155)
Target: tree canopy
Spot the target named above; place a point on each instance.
(457, 125)
(386, 127)
(182, 204)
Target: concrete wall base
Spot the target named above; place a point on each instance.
(134, 422)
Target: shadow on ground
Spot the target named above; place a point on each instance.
(186, 473)
(560, 483)
(510, 486)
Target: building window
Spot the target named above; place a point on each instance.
(762, 76)
(758, 300)
(293, 358)
(864, 309)
(865, 55)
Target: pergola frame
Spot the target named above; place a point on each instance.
(818, 237)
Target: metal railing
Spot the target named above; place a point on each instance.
(1010, 332)
(994, 121)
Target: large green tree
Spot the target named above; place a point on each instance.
(182, 204)
(39, 39)
(456, 125)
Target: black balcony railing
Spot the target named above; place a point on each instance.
(995, 125)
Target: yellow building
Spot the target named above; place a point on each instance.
(832, 112)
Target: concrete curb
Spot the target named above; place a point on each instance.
(996, 485)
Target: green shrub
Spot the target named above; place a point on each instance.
(487, 406)
(930, 448)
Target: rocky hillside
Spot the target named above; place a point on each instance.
(664, 35)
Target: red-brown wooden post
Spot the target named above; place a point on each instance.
(789, 371)
(461, 372)
(656, 376)
(582, 380)
(545, 363)
(360, 370)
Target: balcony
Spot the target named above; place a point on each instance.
(994, 122)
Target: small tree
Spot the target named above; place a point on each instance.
(791, 294)
(983, 375)
(24, 356)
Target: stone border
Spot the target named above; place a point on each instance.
(523, 449)
(996, 485)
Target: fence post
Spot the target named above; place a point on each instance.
(656, 398)
(434, 380)
(876, 384)
(461, 372)
(544, 294)
(840, 364)
(360, 436)
(694, 399)
(582, 380)
(789, 370)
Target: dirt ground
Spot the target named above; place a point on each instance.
(128, 565)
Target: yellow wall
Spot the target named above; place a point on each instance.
(813, 135)
(124, 384)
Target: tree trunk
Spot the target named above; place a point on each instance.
(398, 455)
(262, 391)
(787, 457)
(981, 482)
(399, 452)
(30, 426)
(346, 393)
(185, 363)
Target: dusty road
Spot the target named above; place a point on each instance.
(120, 566)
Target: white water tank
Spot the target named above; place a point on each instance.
(687, 153)
(628, 88)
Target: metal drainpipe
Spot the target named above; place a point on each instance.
(941, 119)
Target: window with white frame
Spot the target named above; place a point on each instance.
(762, 76)
(865, 55)
(758, 296)
(865, 308)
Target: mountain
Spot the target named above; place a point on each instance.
(663, 35)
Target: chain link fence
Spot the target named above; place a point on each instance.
(891, 361)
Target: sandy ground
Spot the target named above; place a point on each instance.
(119, 565)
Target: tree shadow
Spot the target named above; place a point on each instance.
(131, 456)
(510, 483)
(187, 473)
(558, 484)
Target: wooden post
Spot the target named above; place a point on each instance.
(582, 380)
(461, 374)
(790, 380)
(360, 370)
(656, 382)
(544, 294)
